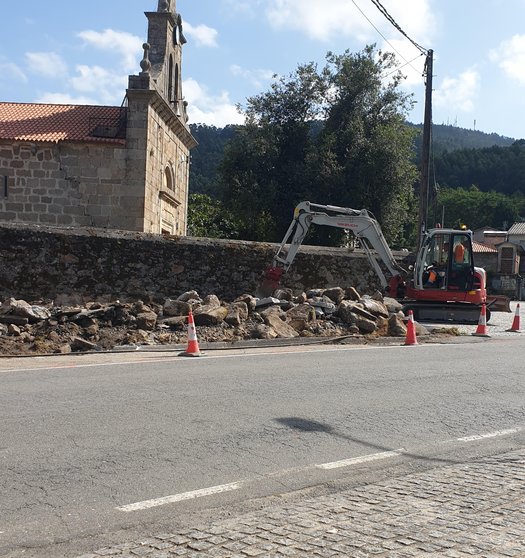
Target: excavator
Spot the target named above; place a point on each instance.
(442, 285)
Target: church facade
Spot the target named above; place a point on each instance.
(121, 167)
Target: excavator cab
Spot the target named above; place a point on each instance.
(445, 263)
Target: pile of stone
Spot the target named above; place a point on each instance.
(36, 328)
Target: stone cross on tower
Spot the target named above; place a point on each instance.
(166, 6)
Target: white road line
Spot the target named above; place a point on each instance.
(362, 459)
(180, 497)
(489, 435)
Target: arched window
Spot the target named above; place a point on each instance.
(176, 83)
(168, 178)
(170, 80)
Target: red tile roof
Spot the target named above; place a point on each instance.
(480, 248)
(54, 123)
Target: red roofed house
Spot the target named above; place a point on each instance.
(114, 167)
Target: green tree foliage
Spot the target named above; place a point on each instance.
(206, 157)
(475, 209)
(209, 217)
(265, 169)
(364, 154)
(332, 136)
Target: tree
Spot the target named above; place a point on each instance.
(475, 209)
(209, 217)
(265, 170)
(335, 136)
(365, 153)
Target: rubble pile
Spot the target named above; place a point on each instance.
(43, 328)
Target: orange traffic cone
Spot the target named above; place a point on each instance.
(193, 345)
(411, 330)
(482, 330)
(516, 322)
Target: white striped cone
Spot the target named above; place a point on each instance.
(482, 330)
(193, 345)
(515, 328)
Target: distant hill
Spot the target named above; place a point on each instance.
(451, 138)
(445, 141)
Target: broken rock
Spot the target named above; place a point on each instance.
(237, 313)
(209, 315)
(280, 327)
(375, 307)
(23, 309)
(175, 308)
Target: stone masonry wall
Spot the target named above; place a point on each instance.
(166, 178)
(67, 184)
(46, 263)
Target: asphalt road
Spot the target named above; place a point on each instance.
(96, 447)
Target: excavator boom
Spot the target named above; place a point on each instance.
(360, 222)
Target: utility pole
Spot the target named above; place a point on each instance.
(425, 152)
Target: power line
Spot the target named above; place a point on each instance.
(383, 10)
(407, 62)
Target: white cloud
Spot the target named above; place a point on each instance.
(257, 78)
(213, 110)
(48, 64)
(458, 94)
(106, 85)
(10, 71)
(65, 99)
(320, 22)
(510, 57)
(202, 34)
(128, 46)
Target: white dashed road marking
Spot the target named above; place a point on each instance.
(180, 497)
(489, 435)
(362, 459)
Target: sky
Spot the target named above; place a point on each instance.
(62, 51)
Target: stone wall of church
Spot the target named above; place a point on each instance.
(166, 178)
(60, 184)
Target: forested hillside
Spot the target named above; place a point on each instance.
(462, 157)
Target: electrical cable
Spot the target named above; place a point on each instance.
(383, 10)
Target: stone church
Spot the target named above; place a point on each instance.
(110, 167)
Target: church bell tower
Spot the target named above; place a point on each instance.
(158, 130)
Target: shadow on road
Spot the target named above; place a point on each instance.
(306, 425)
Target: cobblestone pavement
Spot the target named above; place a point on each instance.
(464, 510)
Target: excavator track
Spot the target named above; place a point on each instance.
(453, 312)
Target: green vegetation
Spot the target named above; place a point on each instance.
(338, 136)
(476, 209)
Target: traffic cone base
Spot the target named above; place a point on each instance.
(515, 327)
(482, 330)
(192, 349)
(411, 330)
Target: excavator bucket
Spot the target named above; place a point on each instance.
(498, 303)
(270, 282)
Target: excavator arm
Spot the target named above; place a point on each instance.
(360, 222)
